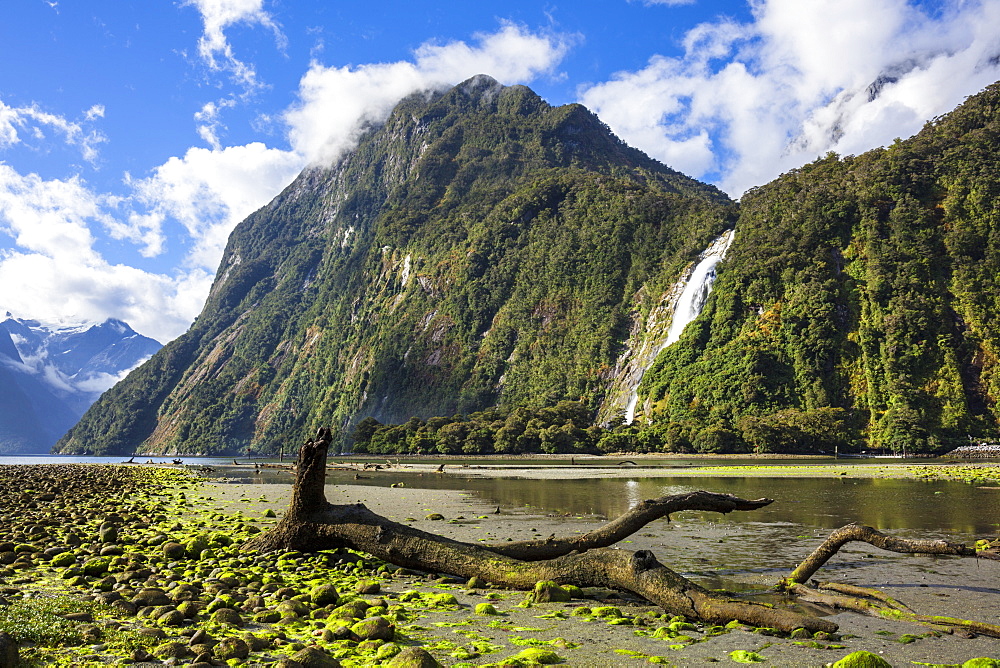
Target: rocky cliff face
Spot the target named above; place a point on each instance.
(480, 247)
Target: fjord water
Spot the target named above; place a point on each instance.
(911, 507)
(907, 507)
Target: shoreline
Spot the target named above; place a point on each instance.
(180, 507)
(927, 470)
(935, 585)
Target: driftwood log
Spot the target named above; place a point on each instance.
(312, 524)
(872, 601)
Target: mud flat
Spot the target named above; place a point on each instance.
(142, 564)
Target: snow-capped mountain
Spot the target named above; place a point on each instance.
(51, 374)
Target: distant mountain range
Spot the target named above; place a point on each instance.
(50, 375)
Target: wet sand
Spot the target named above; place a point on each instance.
(956, 587)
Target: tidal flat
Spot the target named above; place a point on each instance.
(142, 564)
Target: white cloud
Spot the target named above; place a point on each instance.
(336, 102)
(49, 217)
(102, 381)
(90, 290)
(95, 112)
(210, 191)
(209, 122)
(748, 101)
(55, 273)
(215, 49)
(35, 122)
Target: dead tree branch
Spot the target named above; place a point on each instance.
(872, 601)
(313, 524)
(626, 525)
(866, 534)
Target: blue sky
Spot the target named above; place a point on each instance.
(134, 135)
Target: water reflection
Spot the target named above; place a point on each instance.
(909, 508)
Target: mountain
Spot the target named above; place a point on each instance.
(50, 375)
(858, 304)
(483, 249)
(480, 247)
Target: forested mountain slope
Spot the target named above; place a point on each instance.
(478, 248)
(860, 300)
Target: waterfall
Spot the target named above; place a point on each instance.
(696, 287)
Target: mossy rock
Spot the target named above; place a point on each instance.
(444, 598)
(63, 559)
(219, 602)
(171, 618)
(367, 587)
(547, 591)
(232, 648)
(96, 566)
(267, 616)
(293, 607)
(351, 610)
(227, 616)
(255, 642)
(369, 646)
(194, 547)
(981, 662)
(413, 657)
(387, 651)
(172, 650)
(313, 657)
(173, 550)
(151, 596)
(533, 656)
(434, 516)
(324, 594)
(189, 609)
(486, 609)
(862, 659)
(374, 628)
(341, 631)
(108, 533)
(606, 612)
